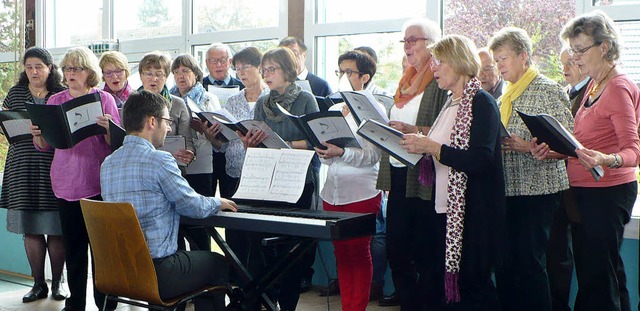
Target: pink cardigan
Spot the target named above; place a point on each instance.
(75, 172)
(610, 125)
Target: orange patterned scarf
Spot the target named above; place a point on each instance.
(413, 82)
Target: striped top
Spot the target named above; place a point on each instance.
(26, 184)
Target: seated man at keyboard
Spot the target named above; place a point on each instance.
(151, 181)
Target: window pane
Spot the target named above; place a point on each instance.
(201, 50)
(543, 21)
(614, 2)
(8, 28)
(143, 19)
(212, 16)
(386, 45)
(83, 28)
(630, 54)
(332, 11)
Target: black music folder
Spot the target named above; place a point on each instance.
(548, 130)
(117, 134)
(65, 125)
(387, 139)
(364, 106)
(329, 126)
(16, 125)
(324, 103)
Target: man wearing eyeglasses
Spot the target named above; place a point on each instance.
(489, 75)
(218, 62)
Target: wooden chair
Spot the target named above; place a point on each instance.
(123, 264)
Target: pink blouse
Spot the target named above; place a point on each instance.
(75, 172)
(610, 125)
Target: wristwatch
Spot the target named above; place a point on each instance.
(616, 161)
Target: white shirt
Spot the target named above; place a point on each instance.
(408, 114)
(352, 177)
(441, 133)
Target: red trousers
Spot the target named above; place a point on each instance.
(353, 258)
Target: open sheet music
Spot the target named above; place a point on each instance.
(223, 92)
(329, 126)
(387, 139)
(273, 174)
(16, 125)
(364, 106)
(324, 103)
(230, 125)
(548, 130)
(224, 117)
(65, 125)
(386, 101)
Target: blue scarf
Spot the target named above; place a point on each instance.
(197, 93)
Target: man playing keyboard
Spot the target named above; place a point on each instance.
(151, 181)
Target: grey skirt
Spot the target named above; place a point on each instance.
(33, 222)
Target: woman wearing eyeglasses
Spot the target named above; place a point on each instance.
(279, 71)
(606, 124)
(115, 72)
(533, 188)
(154, 70)
(75, 172)
(199, 173)
(417, 102)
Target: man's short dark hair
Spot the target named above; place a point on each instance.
(364, 63)
(369, 51)
(139, 106)
(293, 40)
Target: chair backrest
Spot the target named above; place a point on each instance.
(123, 264)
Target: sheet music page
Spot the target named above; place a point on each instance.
(273, 140)
(174, 143)
(387, 139)
(84, 115)
(365, 107)
(289, 175)
(17, 127)
(223, 93)
(304, 84)
(193, 107)
(257, 172)
(329, 128)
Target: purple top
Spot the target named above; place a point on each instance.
(75, 172)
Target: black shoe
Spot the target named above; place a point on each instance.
(38, 291)
(331, 290)
(376, 291)
(389, 301)
(58, 292)
(305, 285)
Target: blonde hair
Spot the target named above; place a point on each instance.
(459, 52)
(83, 57)
(516, 38)
(115, 59)
(157, 60)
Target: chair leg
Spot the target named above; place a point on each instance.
(104, 304)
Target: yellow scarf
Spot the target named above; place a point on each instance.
(514, 90)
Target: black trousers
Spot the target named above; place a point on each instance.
(185, 272)
(415, 246)
(227, 184)
(76, 246)
(602, 281)
(560, 263)
(522, 278)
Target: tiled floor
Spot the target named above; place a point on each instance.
(12, 288)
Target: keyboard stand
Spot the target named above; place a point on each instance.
(244, 298)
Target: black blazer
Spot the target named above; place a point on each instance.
(206, 82)
(485, 197)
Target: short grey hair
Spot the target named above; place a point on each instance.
(516, 38)
(220, 46)
(597, 25)
(430, 29)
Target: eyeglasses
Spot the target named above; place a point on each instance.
(435, 62)
(150, 75)
(219, 61)
(182, 72)
(242, 68)
(74, 69)
(581, 52)
(488, 68)
(412, 40)
(117, 72)
(169, 121)
(348, 72)
(270, 70)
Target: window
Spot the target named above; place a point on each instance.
(386, 45)
(212, 16)
(73, 23)
(630, 54)
(331, 11)
(140, 19)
